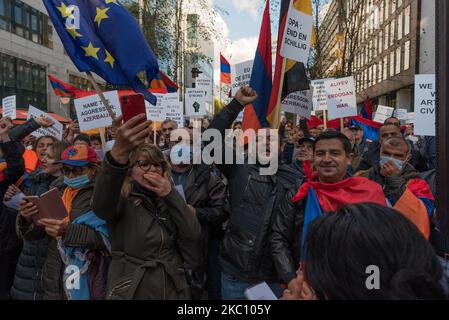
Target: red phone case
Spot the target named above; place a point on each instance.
(132, 105)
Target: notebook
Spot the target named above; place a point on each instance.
(260, 291)
(50, 206)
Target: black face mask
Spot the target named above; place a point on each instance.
(139, 189)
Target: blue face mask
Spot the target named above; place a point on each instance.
(397, 163)
(77, 182)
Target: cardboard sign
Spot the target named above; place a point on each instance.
(157, 112)
(383, 113)
(9, 107)
(241, 75)
(297, 35)
(195, 103)
(55, 130)
(174, 109)
(319, 94)
(341, 98)
(92, 114)
(299, 103)
(425, 93)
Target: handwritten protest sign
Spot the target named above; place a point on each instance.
(174, 109)
(383, 113)
(55, 130)
(297, 35)
(92, 114)
(9, 107)
(319, 94)
(341, 98)
(157, 112)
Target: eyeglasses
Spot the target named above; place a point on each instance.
(67, 170)
(146, 165)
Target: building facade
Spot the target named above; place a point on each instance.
(395, 39)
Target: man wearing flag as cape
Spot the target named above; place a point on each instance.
(329, 191)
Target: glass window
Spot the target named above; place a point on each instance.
(392, 64)
(407, 21)
(381, 42)
(407, 55)
(392, 24)
(398, 60)
(387, 9)
(385, 68)
(400, 26)
(386, 34)
(18, 14)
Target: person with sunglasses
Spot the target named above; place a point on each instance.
(148, 219)
(81, 231)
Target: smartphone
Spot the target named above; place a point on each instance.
(132, 105)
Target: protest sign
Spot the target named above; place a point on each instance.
(92, 114)
(174, 109)
(425, 90)
(241, 75)
(9, 107)
(401, 114)
(55, 130)
(297, 35)
(240, 117)
(299, 103)
(204, 82)
(341, 98)
(157, 112)
(195, 103)
(319, 94)
(383, 113)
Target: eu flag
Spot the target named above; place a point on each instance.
(103, 37)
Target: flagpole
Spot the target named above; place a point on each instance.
(325, 118)
(341, 124)
(281, 88)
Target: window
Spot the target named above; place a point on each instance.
(381, 42)
(392, 24)
(398, 3)
(25, 79)
(400, 26)
(407, 55)
(407, 21)
(387, 9)
(381, 13)
(386, 34)
(374, 74)
(398, 60)
(392, 64)
(385, 68)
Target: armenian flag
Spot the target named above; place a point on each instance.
(61, 88)
(164, 83)
(225, 69)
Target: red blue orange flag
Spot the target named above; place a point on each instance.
(255, 115)
(225, 69)
(61, 88)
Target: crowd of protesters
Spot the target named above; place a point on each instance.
(142, 226)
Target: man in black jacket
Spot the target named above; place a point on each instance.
(245, 252)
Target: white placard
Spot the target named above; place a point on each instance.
(157, 112)
(383, 113)
(9, 107)
(297, 35)
(92, 114)
(401, 114)
(299, 103)
(410, 118)
(55, 130)
(319, 94)
(241, 75)
(341, 98)
(425, 92)
(205, 83)
(174, 109)
(195, 103)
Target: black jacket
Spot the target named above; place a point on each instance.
(21, 131)
(245, 251)
(27, 280)
(15, 169)
(286, 234)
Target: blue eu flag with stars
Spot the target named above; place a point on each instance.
(103, 37)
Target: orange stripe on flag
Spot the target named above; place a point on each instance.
(415, 210)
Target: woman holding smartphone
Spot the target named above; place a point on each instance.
(147, 219)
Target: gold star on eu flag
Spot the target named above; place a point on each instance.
(91, 51)
(101, 14)
(65, 11)
(73, 32)
(109, 58)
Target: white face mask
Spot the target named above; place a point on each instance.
(30, 147)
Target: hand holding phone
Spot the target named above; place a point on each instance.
(132, 105)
